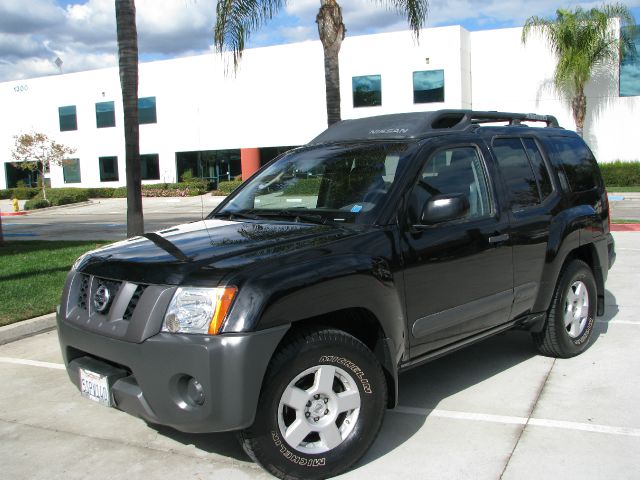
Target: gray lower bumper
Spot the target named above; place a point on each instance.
(150, 379)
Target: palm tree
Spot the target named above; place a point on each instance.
(128, 63)
(237, 19)
(583, 40)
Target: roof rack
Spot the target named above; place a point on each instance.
(417, 124)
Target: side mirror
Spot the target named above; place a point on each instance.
(442, 208)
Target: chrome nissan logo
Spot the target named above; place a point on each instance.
(101, 298)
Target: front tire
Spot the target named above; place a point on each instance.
(572, 315)
(322, 405)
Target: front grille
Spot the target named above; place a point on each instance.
(128, 313)
(112, 287)
(84, 292)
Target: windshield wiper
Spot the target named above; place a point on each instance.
(233, 215)
(297, 216)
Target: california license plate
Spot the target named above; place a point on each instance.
(95, 387)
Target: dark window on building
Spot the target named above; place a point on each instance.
(150, 166)
(367, 91)
(105, 114)
(147, 110)
(214, 165)
(108, 169)
(517, 174)
(577, 162)
(539, 167)
(68, 119)
(630, 66)
(71, 170)
(428, 86)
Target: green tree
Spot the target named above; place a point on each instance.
(37, 152)
(128, 65)
(237, 19)
(583, 40)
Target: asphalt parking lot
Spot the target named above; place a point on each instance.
(495, 410)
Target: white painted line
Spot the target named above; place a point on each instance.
(628, 249)
(32, 363)
(538, 422)
(621, 322)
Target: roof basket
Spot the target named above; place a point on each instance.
(416, 124)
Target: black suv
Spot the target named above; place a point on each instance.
(288, 313)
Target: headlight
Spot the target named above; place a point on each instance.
(198, 310)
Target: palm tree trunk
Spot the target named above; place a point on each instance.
(128, 63)
(579, 109)
(1, 235)
(331, 30)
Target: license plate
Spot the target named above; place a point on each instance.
(95, 387)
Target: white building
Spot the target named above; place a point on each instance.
(197, 115)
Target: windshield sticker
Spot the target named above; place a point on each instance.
(356, 208)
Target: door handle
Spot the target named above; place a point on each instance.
(499, 238)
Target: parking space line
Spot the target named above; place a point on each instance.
(539, 422)
(32, 363)
(426, 412)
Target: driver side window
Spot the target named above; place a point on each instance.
(450, 171)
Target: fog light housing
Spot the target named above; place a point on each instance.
(195, 392)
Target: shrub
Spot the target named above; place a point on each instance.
(225, 188)
(304, 186)
(21, 193)
(36, 203)
(58, 196)
(621, 174)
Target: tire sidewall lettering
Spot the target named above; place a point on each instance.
(355, 369)
(293, 457)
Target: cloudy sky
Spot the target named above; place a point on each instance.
(82, 33)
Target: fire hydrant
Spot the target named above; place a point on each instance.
(16, 207)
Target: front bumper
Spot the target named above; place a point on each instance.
(149, 378)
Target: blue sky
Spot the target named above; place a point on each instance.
(82, 32)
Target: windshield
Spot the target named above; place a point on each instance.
(345, 183)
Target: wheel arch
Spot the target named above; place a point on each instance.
(362, 324)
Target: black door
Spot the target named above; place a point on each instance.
(458, 272)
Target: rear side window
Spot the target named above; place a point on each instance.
(577, 161)
(539, 167)
(517, 173)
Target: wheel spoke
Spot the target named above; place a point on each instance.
(324, 379)
(349, 400)
(297, 431)
(568, 316)
(330, 436)
(295, 398)
(575, 327)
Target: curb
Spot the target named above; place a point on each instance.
(27, 328)
(12, 214)
(625, 227)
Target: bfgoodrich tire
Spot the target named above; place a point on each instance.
(572, 314)
(321, 407)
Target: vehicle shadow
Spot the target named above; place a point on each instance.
(423, 387)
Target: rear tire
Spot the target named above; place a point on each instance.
(321, 407)
(571, 317)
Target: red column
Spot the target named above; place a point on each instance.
(249, 161)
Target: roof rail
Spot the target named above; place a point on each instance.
(401, 126)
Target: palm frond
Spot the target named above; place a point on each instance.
(415, 10)
(582, 40)
(236, 20)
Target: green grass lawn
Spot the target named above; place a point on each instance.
(32, 275)
(623, 189)
(623, 220)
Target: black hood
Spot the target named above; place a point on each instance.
(202, 252)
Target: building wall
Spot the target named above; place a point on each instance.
(277, 96)
(511, 77)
